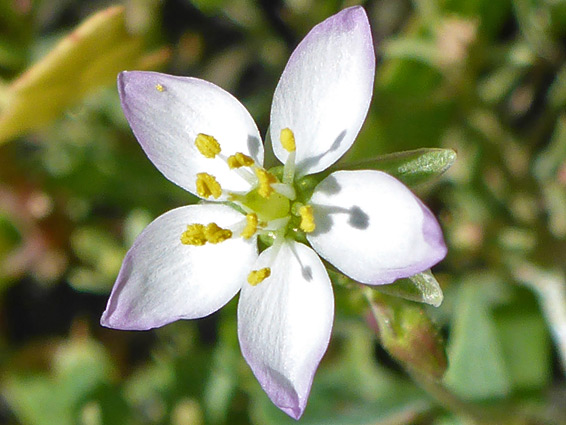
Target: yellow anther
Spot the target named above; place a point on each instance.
(194, 235)
(251, 226)
(207, 145)
(307, 219)
(208, 186)
(239, 160)
(257, 276)
(266, 179)
(288, 140)
(159, 88)
(216, 234)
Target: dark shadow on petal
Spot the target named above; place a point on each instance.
(253, 145)
(307, 272)
(329, 186)
(311, 162)
(358, 218)
(322, 218)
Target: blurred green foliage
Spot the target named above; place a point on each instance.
(485, 79)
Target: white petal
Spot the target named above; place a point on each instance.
(162, 280)
(373, 228)
(324, 93)
(284, 324)
(167, 120)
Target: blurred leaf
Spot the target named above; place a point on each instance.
(9, 234)
(387, 410)
(416, 49)
(11, 56)
(99, 250)
(209, 7)
(422, 287)
(494, 87)
(136, 221)
(79, 367)
(550, 287)
(222, 383)
(91, 56)
(549, 161)
(491, 14)
(555, 205)
(411, 167)
(557, 91)
(535, 27)
(525, 344)
(477, 366)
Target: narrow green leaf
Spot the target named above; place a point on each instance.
(89, 57)
(413, 167)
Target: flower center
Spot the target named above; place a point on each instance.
(268, 206)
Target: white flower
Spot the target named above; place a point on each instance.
(192, 260)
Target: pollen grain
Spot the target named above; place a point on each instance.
(307, 219)
(257, 276)
(216, 234)
(266, 179)
(207, 145)
(207, 186)
(251, 226)
(194, 235)
(239, 160)
(288, 140)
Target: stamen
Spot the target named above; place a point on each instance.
(207, 145)
(307, 219)
(251, 226)
(208, 186)
(194, 235)
(265, 180)
(288, 140)
(239, 160)
(216, 234)
(257, 276)
(159, 88)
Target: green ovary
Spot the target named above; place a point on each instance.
(272, 208)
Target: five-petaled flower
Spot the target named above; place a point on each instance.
(192, 260)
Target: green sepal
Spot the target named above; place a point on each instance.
(413, 167)
(408, 334)
(422, 287)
